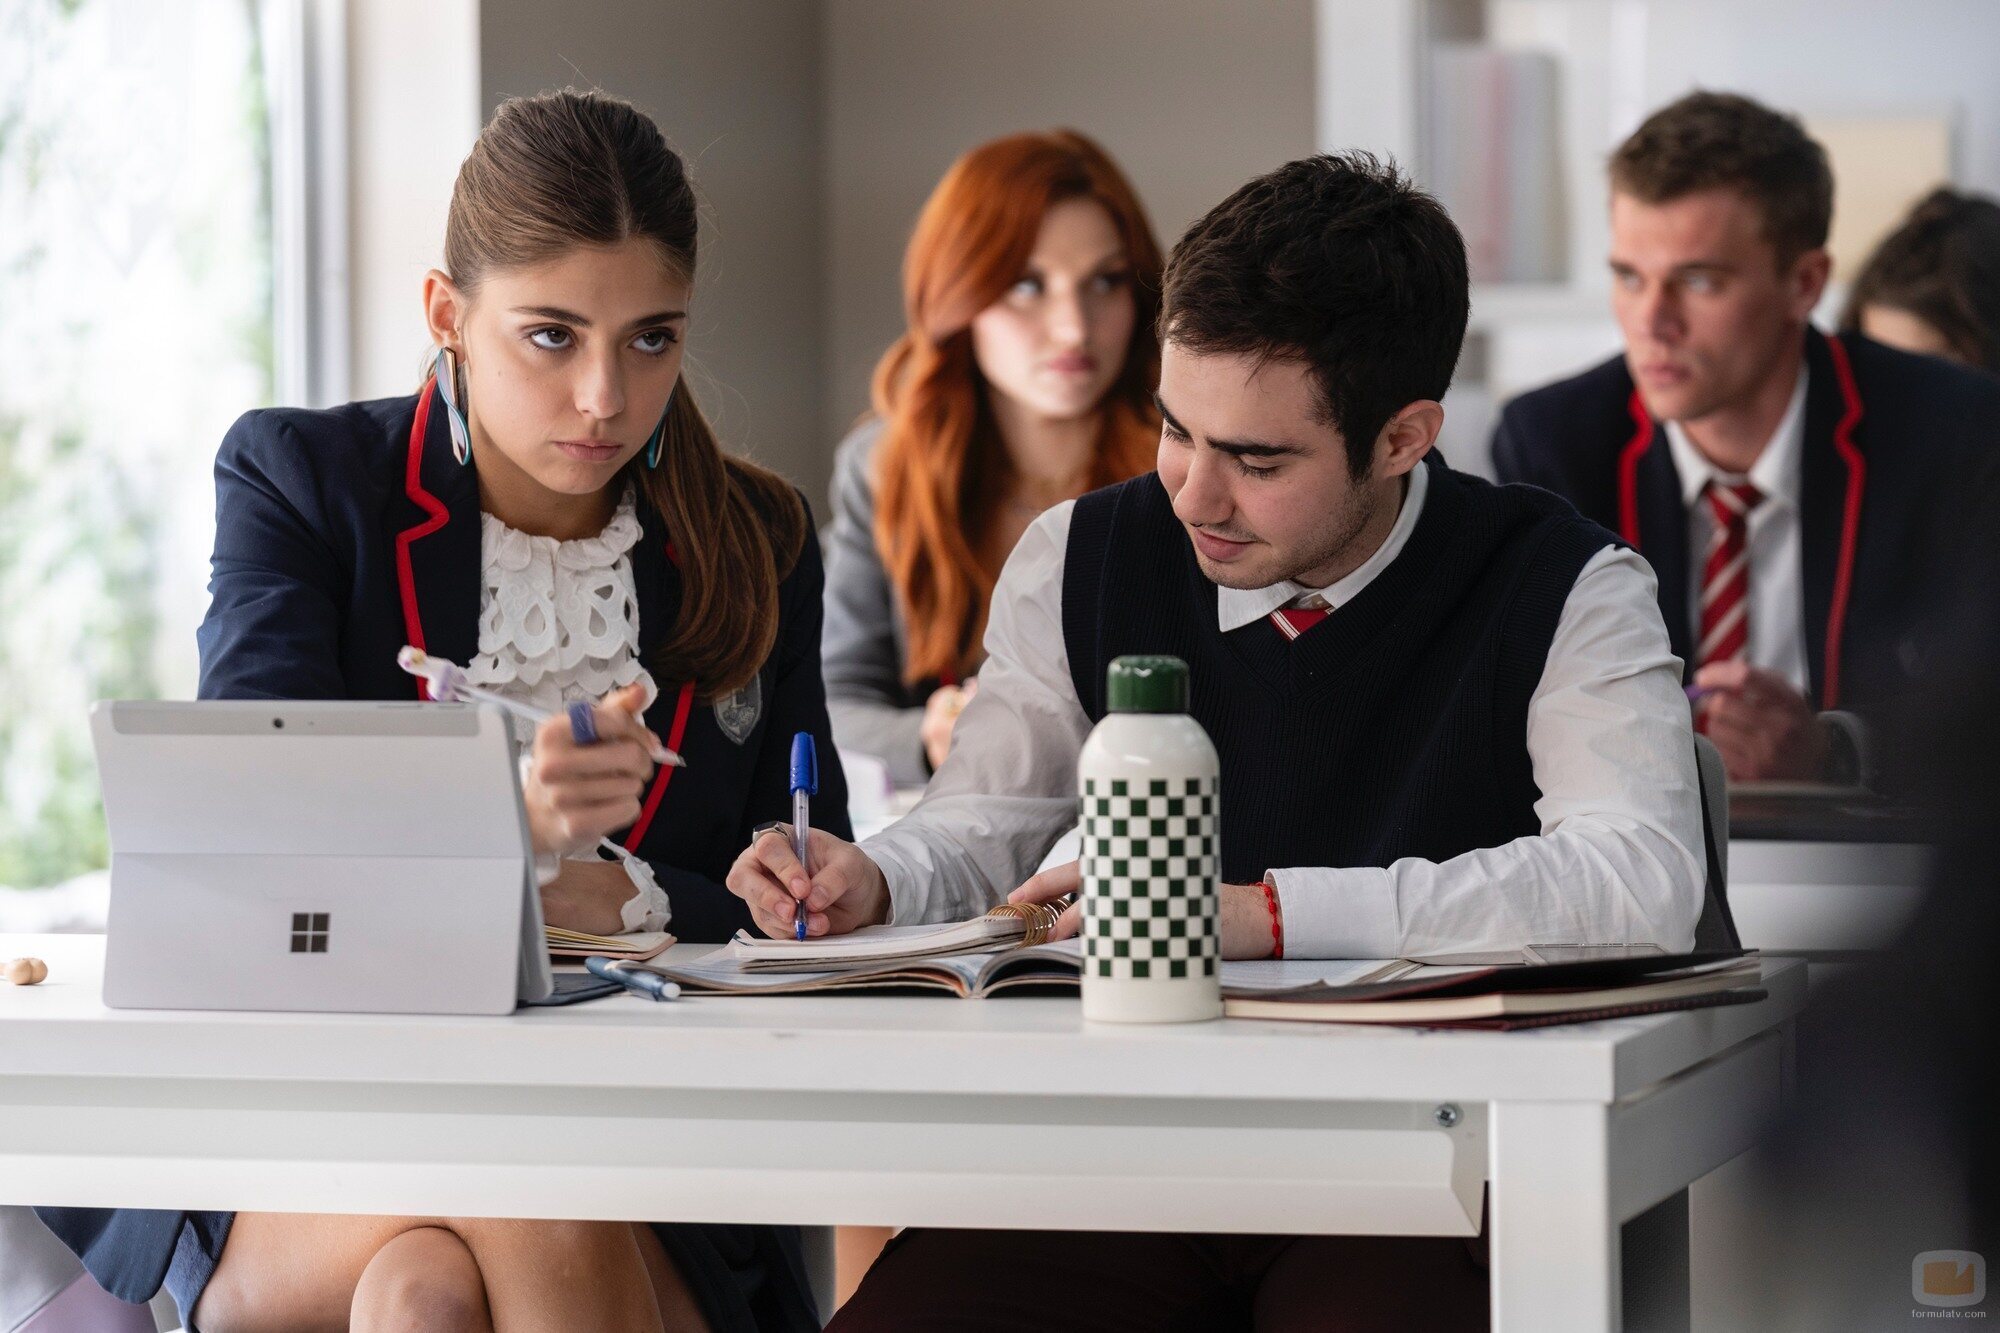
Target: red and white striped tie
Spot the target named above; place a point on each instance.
(1300, 615)
(1725, 578)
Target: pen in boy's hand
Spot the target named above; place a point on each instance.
(805, 785)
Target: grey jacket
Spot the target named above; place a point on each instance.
(863, 643)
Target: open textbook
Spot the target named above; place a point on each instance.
(1047, 969)
(985, 956)
(1051, 968)
(1001, 950)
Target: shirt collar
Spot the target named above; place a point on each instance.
(1237, 607)
(1775, 473)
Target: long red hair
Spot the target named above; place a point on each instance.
(940, 444)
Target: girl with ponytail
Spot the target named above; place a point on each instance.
(551, 511)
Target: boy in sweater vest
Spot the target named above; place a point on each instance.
(1447, 715)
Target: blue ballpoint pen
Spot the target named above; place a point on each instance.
(805, 786)
(646, 983)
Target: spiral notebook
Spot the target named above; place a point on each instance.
(741, 967)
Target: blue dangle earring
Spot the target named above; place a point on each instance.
(446, 373)
(659, 435)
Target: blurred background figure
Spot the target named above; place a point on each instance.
(1886, 1155)
(1025, 378)
(1808, 503)
(1933, 285)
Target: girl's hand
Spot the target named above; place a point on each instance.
(575, 794)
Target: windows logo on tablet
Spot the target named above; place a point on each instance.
(310, 931)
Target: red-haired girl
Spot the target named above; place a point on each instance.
(1025, 378)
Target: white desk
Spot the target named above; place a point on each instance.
(852, 1109)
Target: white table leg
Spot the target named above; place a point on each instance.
(1553, 1242)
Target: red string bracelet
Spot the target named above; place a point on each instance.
(1277, 920)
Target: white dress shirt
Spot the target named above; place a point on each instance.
(1777, 572)
(1619, 858)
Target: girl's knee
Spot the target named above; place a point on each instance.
(423, 1279)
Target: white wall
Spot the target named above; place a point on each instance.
(1841, 57)
(413, 113)
(1191, 97)
(1817, 58)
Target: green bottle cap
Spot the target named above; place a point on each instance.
(1146, 685)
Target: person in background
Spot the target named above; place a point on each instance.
(1025, 378)
(553, 512)
(1933, 284)
(1807, 501)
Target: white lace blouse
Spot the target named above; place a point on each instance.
(558, 622)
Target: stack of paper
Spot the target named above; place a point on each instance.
(637, 945)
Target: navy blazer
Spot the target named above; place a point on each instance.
(1899, 498)
(340, 537)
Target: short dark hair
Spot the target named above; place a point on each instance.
(1942, 264)
(1337, 261)
(1708, 141)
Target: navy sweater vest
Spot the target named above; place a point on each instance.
(1396, 726)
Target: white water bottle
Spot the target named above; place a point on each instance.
(1151, 821)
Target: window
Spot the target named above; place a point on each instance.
(137, 294)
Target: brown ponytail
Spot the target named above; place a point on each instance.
(747, 528)
(553, 172)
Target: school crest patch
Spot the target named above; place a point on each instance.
(737, 714)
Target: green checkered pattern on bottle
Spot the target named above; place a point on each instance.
(1149, 867)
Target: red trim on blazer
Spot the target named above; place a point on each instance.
(1850, 518)
(1628, 470)
(675, 734)
(413, 486)
(413, 625)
